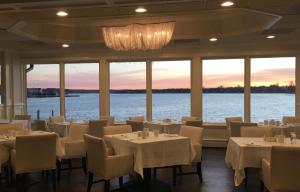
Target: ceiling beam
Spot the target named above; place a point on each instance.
(109, 2)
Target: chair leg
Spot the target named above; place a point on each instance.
(180, 170)
(121, 182)
(246, 177)
(58, 167)
(19, 183)
(106, 185)
(262, 186)
(90, 181)
(174, 175)
(199, 171)
(83, 162)
(53, 174)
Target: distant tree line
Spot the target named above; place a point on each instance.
(238, 89)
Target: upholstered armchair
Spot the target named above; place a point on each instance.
(101, 165)
(196, 137)
(110, 120)
(136, 118)
(135, 125)
(282, 172)
(96, 127)
(256, 131)
(34, 153)
(235, 128)
(72, 147)
(188, 118)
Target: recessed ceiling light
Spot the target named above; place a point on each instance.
(140, 10)
(227, 3)
(271, 36)
(65, 45)
(62, 14)
(213, 39)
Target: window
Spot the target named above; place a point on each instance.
(223, 82)
(171, 89)
(43, 91)
(127, 89)
(82, 91)
(273, 88)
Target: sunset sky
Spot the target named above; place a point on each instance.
(165, 74)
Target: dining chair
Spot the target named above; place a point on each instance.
(228, 120)
(96, 127)
(282, 172)
(72, 147)
(101, 165)
(119, 129)
(189, 118)
(110, 119)
(195, 134)
(235, 128)
(34, 153)
(136, 118)
(39, 125)
(7, 128)
(135, 125)
(57, 119)
(194, 123)
(255, 131)
(22, 117)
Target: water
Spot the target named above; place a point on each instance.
(215, 106)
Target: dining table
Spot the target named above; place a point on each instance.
(248, 152)
(162, 150)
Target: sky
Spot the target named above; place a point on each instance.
(165, 74)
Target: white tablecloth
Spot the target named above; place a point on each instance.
(152, 152)
(243, 152)
(172, 127)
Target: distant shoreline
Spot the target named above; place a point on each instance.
(54, 92)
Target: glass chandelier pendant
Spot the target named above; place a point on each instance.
(138, 36)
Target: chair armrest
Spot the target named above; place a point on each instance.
(74, 148)
(118, 165)
(266, 173)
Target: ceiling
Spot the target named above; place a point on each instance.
(32, 25)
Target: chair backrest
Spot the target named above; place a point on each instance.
(24, 123)
(290, 119)
(113, 130)
(110, 119)
(7, 128)
(194, 133)
(194, 123)
(135, 125)
(22, 117)
(96, 127)
(250, 131)
(77, 130)
(96, 154)
(196, 136)
(189, 118)
(35, 152)
(230, 119)
(57, 119)
(136, 118)
(285, 169)
(235, 128)
(39, 125)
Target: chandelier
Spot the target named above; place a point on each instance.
(138, 36)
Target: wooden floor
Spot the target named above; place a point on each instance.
(217, 177)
